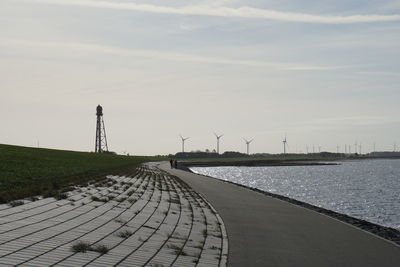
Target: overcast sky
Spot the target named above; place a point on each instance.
(326, 73)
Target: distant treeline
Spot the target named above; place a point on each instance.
(384, 154)
(201, 154)
(234, 154)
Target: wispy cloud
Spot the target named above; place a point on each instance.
(163, 55)
(349, 121)
(383, 73)
(224, 11)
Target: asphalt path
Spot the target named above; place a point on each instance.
(265, 231)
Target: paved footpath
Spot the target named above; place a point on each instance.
(264, 231)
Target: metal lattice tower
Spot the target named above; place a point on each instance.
(101, 139)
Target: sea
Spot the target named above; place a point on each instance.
(364, 189)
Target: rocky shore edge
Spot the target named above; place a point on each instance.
(384, 232)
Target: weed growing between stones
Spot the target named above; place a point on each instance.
(124, 234)
(34, 198)
(16, 203)
(121, 221)
(122, 199)
(61, 195)
(103, 199)
(82, 246)
(204, 232)
(176, 248)
(102, 249)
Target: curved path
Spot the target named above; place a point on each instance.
(264, 231)
(145, 218)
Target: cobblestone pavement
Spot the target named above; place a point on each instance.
(147, 218)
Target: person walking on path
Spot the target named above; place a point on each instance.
(171, 162)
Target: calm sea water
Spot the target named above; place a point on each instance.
(365, 189)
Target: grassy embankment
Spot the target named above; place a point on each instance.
(27, 172)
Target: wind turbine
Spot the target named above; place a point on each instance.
(218, 137)
(248, 144)
(183, 143)
(284, 145)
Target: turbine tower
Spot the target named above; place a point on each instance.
(101, 139)
(183, 143)
(248, 144)
(284, 145)
(218, 137)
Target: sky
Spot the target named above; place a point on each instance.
(324, 73)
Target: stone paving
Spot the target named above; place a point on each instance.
(148, 218)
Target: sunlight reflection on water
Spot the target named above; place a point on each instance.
(366, 189)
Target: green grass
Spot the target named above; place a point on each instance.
(26, 172)
(124, 234)
(82, 246)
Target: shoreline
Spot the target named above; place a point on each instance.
(256, 163)
(387, 233)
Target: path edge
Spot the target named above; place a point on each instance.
(376, 230)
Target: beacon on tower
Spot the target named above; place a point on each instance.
(101, 139)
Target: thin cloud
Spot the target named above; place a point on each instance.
(223, 11)
(383, 73)
(349, 121)
(172, 56)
